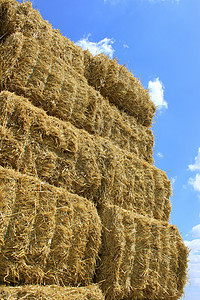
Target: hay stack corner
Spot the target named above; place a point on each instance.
(84, 212)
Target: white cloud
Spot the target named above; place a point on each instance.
(194, 245)
(156, 91)
(196, 166)
(194, 261)
(173, 180)
(103, 46)
(195, 182)
(196, 231)
(125, 46)
(159, 154)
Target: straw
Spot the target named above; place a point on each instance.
(112, 80)
(52, 292)
(90, 166)
(47, 234)
(32, 70)
(140, 258)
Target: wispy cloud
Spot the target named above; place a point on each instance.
(195, 182)
(173, 181)
(125, 46)
(156, 91)
(103, 46)
(196, 232)
(160, 155)
(194, 257)
(196, 165)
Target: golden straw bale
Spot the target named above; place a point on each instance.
(33, 71)
(65, 49)
(90, 166)
(21, 17)
(47, 234)
(52, 292)
(16, 16)
(7, 196)
(104, 74)
(117, 84)
(141, 258)
(112, 80)
(53, 150)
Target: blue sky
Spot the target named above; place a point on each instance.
(159, 40)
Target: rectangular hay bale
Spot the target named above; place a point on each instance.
(31, 70)
(141, 258)
(90, 166)
(113, 81)
(52, 292)
(116, 83)
(47, 235)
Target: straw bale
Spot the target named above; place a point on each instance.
(21, 17)
(52, 292)
(46, 147)
(116, 83)
(47, 234)
(32, 70)
(107, 76)
(71, 54)
(90, 166)
(141, 258)
(17, 16)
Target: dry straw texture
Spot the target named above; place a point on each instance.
(81, 134)
(21, 17)
(31, 70)
(112, 80)
(56, 151)
(117, 84)
(36, 292)
(47, 235)
(141, 258)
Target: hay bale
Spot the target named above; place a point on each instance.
(90, 166)
(52, 292)
(16, 16)
(21, 17)
(46, 147)
(31, 70)
(114, 81)
(47, 235)
(141, 258)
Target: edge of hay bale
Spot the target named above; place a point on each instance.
(52, 292)
(116, 83)
(141, 258)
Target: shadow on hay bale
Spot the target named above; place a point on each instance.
(56, 151)
(47, 235)
(141, 258)
(50, 293)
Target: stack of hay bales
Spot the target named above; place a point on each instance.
(76, 157)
